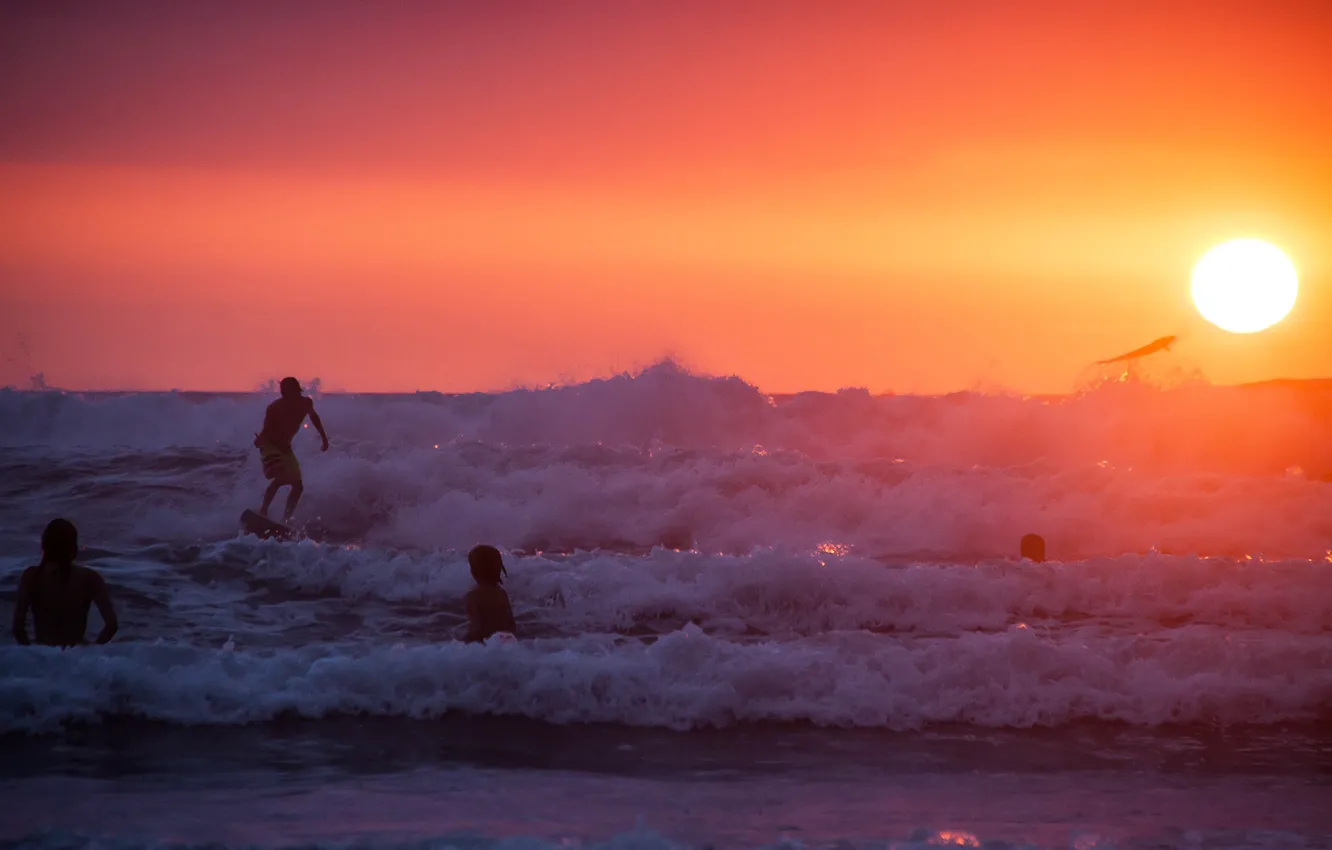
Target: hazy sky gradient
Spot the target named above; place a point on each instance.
(900, 195)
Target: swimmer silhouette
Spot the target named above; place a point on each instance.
(488, 607)
(60, 593)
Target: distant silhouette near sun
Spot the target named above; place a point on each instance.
(1245, 285)
(1148, 364)
(1162, 344)
(1242, 286)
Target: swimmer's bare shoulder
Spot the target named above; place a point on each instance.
(90, 580)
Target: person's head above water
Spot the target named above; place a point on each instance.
(290, 387)
(60, 542)
(1032, 546)
(487, 564)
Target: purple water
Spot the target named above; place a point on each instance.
(745, 621)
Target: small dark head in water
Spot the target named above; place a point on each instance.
(1032, 547)
(487, 564)
(60, 542)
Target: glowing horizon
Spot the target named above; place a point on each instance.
(452, 198)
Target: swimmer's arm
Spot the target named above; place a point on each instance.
(319, 426)
(102, 599)
(21, 605)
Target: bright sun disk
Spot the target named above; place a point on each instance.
(1244, 285)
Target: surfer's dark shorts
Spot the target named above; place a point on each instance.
(280, 464)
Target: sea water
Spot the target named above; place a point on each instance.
(744, 621)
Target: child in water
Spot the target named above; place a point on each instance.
(488, 608)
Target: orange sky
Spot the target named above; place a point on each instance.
(898, 195)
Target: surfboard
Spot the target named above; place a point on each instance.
(264, 528)
(1162, 344)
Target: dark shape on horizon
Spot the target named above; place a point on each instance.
(1032, 547)
(1162, 344)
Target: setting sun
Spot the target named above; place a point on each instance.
(1244, 285)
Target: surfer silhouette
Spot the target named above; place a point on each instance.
(282, 422)
(488, 609)
(59, 594)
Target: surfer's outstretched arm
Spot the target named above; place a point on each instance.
(319, 426)
(21, 605)
(102, 599)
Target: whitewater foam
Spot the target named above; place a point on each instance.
(782, 592)
(688, 552)
(689, 679)
(669, 459)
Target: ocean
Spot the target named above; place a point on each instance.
(744, 621)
